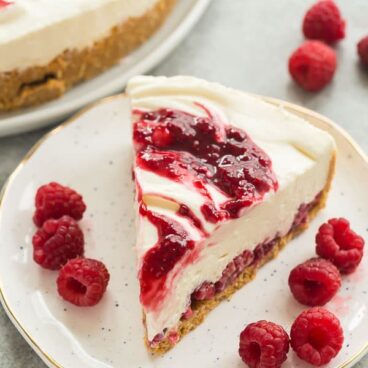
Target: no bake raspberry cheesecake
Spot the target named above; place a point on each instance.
(48, 46)
(223, 181)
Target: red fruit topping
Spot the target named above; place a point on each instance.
(54, 200)
(184, 147)
(161, 137)
(188, 313)
(261, 250)
(316, 336)
(156, 340)
(313, 65)
(83, 281)
(204, 292)
(234, 268)
(263, 345)
(324, 22)
(173, 337)
(172, 245)
(314, 282)
(337, 242)
(301, 218)
(57, 242)
(363, 50)
(4, 4)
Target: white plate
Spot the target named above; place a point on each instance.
(95, 159)
(184, 16)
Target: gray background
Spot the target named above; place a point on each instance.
(244, 44)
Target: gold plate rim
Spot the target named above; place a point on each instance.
(289, 106)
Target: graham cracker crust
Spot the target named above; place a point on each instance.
(35, 85)
(202, 308)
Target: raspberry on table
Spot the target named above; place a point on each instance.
(57, 242)
(323, 21)
(363, 50)
(316, 336)
(263, 345)
(313, 65)
(83, 281)
(54, 200)
(314, 282)
(337, 242)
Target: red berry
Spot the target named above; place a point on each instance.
(161, 136)
(234, 269)
(263, 345)
(314, 282)
(324, 22)
(83, 281)
(57, 242)
(204, 292)
(363, 50)
(316, 336)
(54, 200)
(313, 65)
(339, 244)
(187, 314)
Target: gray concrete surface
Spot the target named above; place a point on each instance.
(243, 44)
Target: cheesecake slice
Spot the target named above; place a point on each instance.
(223, 182)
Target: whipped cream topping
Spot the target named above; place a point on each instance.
(300, 155)
(33, 32)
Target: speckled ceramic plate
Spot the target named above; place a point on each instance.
(184, 16)
(91, 153)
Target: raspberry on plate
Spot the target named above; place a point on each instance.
(314, 282)
(316, 336)
(83, 281)
(363, 50)
(263, 345)
(337, 242)
(54, 200)
(313, 65)
(57, 242)
(324, 22)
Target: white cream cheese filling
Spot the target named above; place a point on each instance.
(33, 32)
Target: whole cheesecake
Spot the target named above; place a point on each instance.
(47, 46)
(223, 182)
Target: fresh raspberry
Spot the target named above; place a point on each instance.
(324, 22)
(263, 345)
(363, 50)
(316, 336)
(314, 282)
(57, 242)
(83, 281)
(339, 244)
(313, 65)
(54, 200)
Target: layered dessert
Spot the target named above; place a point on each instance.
(47, 46)
(223, 181)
